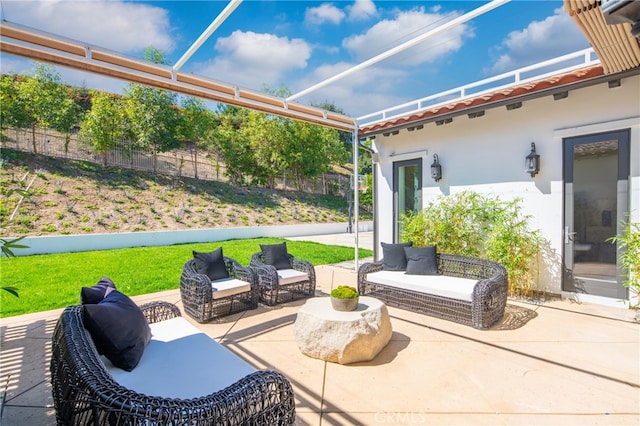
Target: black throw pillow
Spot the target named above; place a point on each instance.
(211, 264)
(421, 260)
(119, 329)
(393, 256)
(276, 255)
(95, 294)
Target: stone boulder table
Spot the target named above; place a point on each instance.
(343, 337)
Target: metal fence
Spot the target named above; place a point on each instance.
(177, 162)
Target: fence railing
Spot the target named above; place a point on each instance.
(178, 162)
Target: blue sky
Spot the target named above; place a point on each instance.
(300, 43)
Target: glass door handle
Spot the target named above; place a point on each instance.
(568, 236)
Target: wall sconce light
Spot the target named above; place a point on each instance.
(436, 169)
(532, 161)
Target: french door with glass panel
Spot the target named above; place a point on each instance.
(596, 193)
(407, 191)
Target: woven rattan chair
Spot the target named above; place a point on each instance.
(205, 300)
(277, 286)
(489, 295)
(85, 393)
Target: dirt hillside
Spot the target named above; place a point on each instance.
(75, 197)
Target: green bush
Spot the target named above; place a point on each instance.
(629, 242)
(472, 224)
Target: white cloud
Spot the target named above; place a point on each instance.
(250, 59)
(326, 12)
(362, 10)
(405, 26)
(540, 40)
(124, 27)
(358, 94)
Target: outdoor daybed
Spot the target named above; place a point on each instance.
(463, 289)
(184, 377)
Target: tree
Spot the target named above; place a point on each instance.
(13, 111)
(264, 146)
(233, 140)
(105, 124)
(311, 150)
(196, 123)
(152, 114)
(47, 102)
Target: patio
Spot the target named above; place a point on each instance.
(557, 362)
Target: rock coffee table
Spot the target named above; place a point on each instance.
(343, 337)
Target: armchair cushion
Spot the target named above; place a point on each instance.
(228, 287)
(276, 255)
(290, 276)
(119, 329)
(211, 264)
(393, 256)
(95, 294)
(421, 260)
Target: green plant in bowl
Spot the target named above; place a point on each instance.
(344, 298)
(344, 292)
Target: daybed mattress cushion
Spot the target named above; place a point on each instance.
(228, 287)
(438, 285)
(181, 362)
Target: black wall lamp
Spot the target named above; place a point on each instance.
(532, 161)
(436, 169)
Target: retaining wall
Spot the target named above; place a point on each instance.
(89, 242)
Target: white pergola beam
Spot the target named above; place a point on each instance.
(228, 10)
(29, 43)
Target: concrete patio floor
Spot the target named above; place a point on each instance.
(554, 363)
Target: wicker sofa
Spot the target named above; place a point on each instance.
(87, 390)
(467, 290)
(205, 300)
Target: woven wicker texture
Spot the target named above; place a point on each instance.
(196, 292)
(271, 291)
(485, 309)
(84, 393)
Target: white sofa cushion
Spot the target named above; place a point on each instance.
(438, 285)
(290, 276)
(181, 362)
(228, 287)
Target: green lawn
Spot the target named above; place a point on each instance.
(53, 281)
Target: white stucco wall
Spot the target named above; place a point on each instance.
(486, 154)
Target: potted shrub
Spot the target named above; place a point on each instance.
(344, 298)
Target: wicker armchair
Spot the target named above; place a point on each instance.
(273, 289)
(202, 303)
(484, 310)
(85, 393)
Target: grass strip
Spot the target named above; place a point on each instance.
(53, 281)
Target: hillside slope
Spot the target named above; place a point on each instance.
(75, 197)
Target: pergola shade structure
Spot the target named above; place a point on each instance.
(616, 48)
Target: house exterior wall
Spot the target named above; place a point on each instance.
(487, 155)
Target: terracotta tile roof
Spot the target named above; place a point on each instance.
(499, 96)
